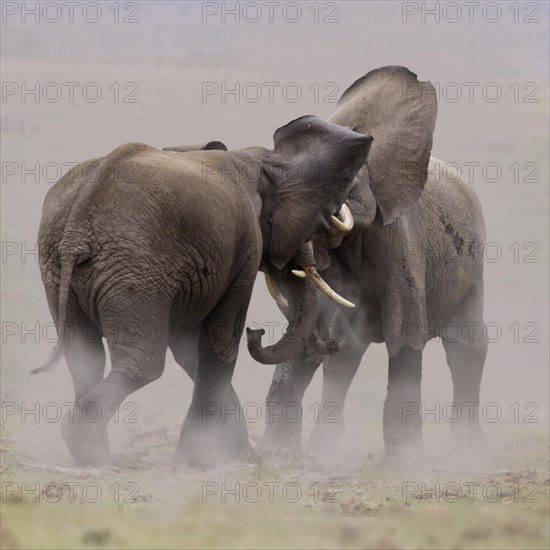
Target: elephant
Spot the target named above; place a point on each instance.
(156, 249)
(410, 257)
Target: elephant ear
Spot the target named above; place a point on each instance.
(210, 146)
(400, 112)
(313, 165)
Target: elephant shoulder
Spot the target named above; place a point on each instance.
(447, 185)
(451, 207)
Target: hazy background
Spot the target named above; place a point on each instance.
(165, 58)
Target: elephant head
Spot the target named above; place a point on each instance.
(306, 179)
(316, 163)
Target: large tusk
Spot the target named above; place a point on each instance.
(275, 291)
(346, 224)
(311, 273)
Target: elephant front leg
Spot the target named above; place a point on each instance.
(338, 373)
(402, 418)
(284, 413)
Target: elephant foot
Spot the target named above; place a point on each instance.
(404, 457)
(88, 442)
(282, 441)
(250, 456)
(233, 444)
(197, 455)
(280, 449)
(202, 445)
(209, 445)
(232, 440)
(194, 453)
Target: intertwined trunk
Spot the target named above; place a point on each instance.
(302, 297)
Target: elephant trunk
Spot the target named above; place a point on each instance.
(303, 313)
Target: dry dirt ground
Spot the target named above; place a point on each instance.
(346, 500)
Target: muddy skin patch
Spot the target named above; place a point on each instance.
(458, 241)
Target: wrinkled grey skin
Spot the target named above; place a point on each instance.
(154, 249)
(412, 265)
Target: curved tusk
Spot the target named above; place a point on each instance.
(311, 273)
(299, 273)
(318, 281)
(275, 291)
(346, 224)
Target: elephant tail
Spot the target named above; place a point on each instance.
(67, 265)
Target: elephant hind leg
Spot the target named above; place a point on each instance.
(466, 350)
(137, 348)
(214, 400)
(84, 352)
(233, 435)
(85, 357)
(186, 351)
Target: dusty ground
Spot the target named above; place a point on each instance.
(346, 500)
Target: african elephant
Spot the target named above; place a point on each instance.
(154, 249)
(410, 258)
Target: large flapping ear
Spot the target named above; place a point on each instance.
(400, 112)
(314, 165)
(210, 146)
